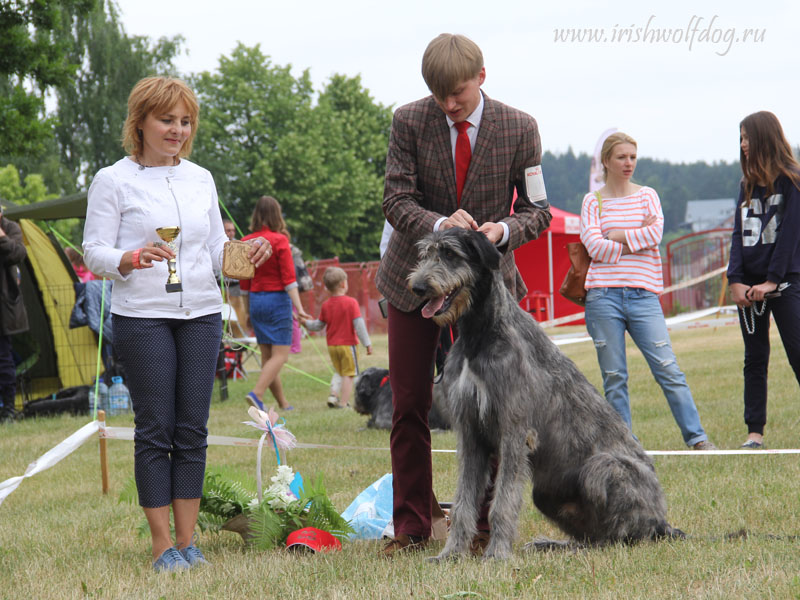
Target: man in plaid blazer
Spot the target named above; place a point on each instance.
(420, 196)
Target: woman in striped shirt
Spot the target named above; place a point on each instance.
(621, 227)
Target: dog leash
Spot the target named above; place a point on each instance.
(750, 326)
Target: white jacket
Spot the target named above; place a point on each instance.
(126, 205)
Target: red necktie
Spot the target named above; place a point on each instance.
(463, 155)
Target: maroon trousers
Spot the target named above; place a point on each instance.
(412, 348)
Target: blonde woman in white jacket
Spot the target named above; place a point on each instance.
(166, 341)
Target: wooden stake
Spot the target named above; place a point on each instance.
(101, 417)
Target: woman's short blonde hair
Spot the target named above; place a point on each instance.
(449, 60)
(157, 95)
(615, 139)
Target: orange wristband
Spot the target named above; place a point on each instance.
(135, 259)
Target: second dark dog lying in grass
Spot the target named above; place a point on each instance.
(373, 396)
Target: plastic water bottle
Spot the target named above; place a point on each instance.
(119, 398)
(102, 396)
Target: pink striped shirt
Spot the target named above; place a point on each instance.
(609, 268)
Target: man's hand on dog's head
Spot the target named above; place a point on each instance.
(460, 218)
(493, 231)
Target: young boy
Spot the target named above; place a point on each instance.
(342, 317)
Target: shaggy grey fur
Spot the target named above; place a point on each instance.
(516, 399)
(372, 398)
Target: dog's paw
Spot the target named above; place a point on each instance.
(497, 549)
(443, 557)
(496, 554)
(673, 533)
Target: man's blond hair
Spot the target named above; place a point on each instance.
(333, 278)
(449, 60)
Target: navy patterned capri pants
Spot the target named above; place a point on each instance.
(170, 366)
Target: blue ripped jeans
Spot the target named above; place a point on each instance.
(610, 312)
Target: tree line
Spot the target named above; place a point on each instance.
(263, 130)
(567, 179)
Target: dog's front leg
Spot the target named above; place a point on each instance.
(504, 512)
(473, 479)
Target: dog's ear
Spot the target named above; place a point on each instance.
(483, 250)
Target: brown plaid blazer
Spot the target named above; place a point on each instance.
(420, 187)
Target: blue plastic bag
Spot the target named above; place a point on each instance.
(370, 513)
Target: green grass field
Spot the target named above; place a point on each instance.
(60, 537)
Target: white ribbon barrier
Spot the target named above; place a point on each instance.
(689, 282)
(85, 433)
(693, 320)
(126, 433)
(51, 457)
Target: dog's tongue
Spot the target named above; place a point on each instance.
(432, 306)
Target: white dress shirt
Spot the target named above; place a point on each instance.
(474, 121)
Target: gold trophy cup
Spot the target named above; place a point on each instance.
(168, 234)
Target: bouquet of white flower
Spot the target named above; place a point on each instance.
(265, 520)
(229, 505)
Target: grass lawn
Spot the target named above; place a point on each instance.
(61, 538)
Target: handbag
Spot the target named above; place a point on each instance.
(235, 262)
(574, 286)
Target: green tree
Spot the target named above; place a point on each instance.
(567, 180)
(343, 147)
(246, 108)
(92, 109)
(14, 189)
(32, 59)
(261, 133)
(30, 190)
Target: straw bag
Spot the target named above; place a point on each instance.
(235, 262)
(574, 286)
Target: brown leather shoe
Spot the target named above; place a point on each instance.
(479, 543)
(403, 544)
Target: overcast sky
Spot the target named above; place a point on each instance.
(682, 99)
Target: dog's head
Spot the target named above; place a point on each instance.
(366, 387)
(450, 264)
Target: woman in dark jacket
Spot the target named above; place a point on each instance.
(13, 318)
(764, 267)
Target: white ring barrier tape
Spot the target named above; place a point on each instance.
(672, 288)
(51, 457)
(126, 433)
(693, 320)
(85, 433)
(694, 280)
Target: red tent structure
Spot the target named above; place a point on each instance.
(544, 262)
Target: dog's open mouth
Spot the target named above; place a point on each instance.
(438, 305)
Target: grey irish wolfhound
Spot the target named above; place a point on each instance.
(517, 402)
